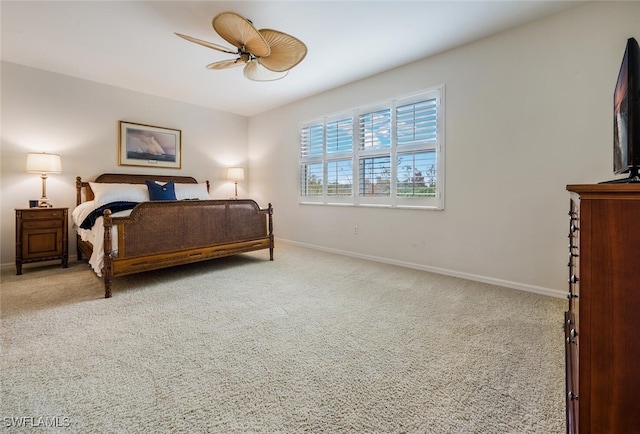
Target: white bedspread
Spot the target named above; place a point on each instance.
(95, 235)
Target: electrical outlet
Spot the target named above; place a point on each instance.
(355, 230)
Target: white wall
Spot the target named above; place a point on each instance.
(527, 112)
(43, 111)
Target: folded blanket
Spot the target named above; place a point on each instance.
(90, 220)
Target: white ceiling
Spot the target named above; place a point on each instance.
(131, 44)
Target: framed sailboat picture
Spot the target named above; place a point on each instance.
(149, 146)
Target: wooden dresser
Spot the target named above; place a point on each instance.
(602, 324)
(41, 235)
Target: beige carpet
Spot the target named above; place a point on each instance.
(312, 342)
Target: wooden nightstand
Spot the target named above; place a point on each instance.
(41, 235)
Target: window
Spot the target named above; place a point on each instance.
(390, 154)
(375, 176)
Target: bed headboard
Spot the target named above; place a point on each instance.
(127, 178)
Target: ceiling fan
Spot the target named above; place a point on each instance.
(266, 54)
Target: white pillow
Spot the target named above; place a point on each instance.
(192, 191)
(105, 193)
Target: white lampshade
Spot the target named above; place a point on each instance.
(235, 174)
(43, 163)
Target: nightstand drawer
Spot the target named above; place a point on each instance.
(41, 235)
(42, 224)
(42, 214)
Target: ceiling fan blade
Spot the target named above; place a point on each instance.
(256, 72)
(240, 32)
(224, 64)
(206, 44)
(286, 50)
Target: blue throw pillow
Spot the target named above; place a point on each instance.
(161, 192)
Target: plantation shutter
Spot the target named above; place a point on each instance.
(311, 165)
(374, 130)
(340, 136)
(375, 176)
(417, 122)
(340, 178)
(312, 141)
(311, 180)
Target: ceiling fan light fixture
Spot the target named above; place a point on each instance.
(254, 71)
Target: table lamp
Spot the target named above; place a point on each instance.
(235, 174)
(43, 164)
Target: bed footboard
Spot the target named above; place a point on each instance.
(163, 234)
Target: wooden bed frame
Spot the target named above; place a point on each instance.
(160, 234)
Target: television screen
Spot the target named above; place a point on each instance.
(620, 117)
(626, 109)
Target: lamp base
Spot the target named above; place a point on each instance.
(44, 203)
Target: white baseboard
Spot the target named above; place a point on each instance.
(474, 277)
(12, 265)
(477, 278)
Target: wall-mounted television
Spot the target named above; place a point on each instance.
(626, 115)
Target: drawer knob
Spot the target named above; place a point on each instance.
(571, 256)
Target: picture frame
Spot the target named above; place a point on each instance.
(149, 146)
